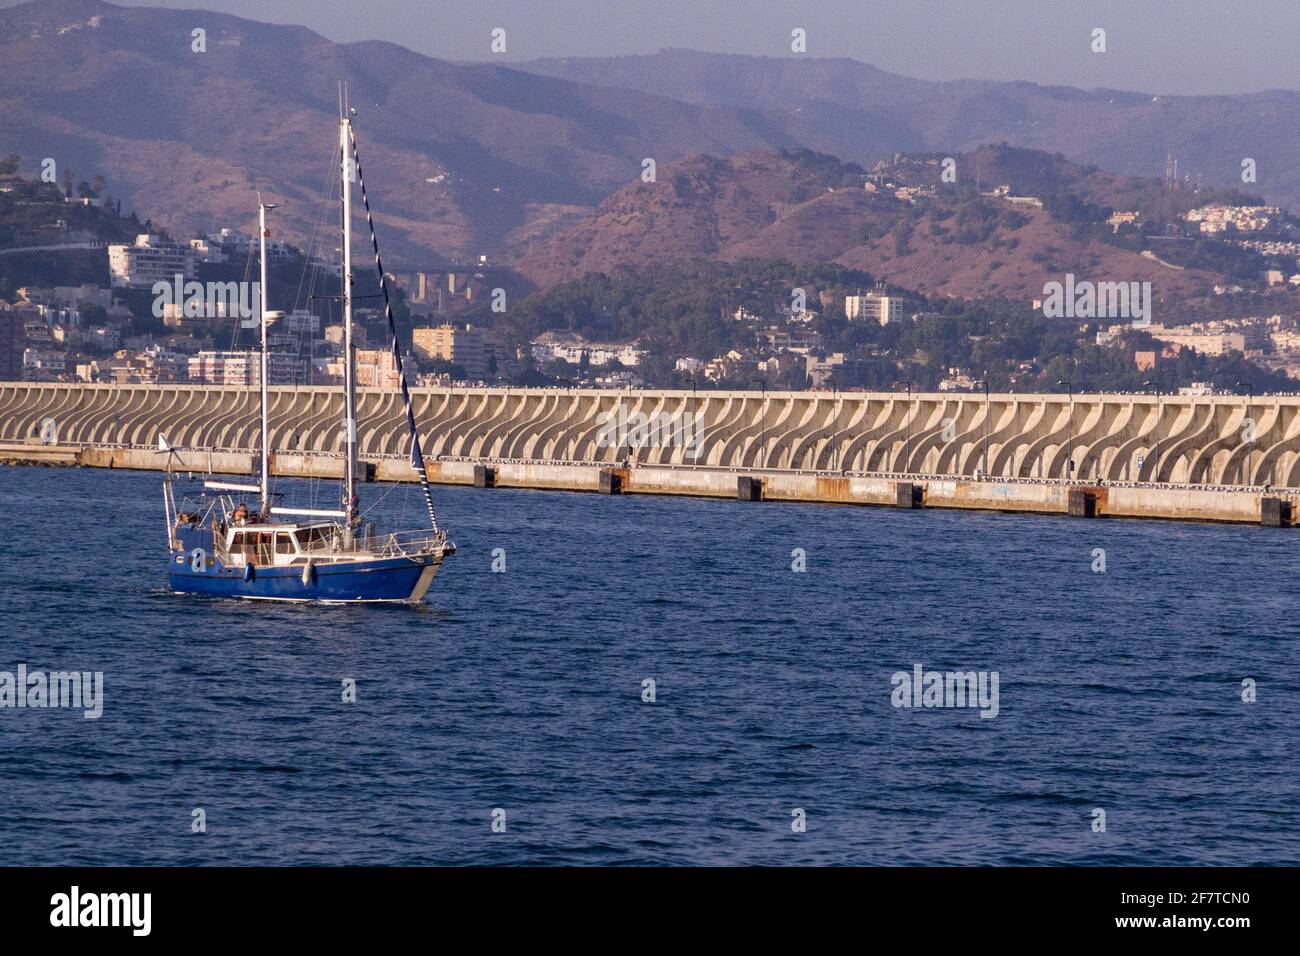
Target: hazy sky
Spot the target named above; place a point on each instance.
(1160, 46)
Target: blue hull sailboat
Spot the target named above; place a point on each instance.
(235, 540)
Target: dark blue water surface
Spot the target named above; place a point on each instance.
(523, 690)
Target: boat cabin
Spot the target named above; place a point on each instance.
(279, 545)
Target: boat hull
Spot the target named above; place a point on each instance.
(401, 580)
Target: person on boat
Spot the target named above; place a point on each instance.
(241, 514)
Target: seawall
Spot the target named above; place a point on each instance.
(1060, 497)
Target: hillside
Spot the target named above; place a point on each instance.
(464, 159)
(457, 156)
(856, 111)
(810, 208)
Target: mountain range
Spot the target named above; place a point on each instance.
(858, 112)
(808, 207)
(469, 159)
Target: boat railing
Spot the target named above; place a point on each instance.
(404, 543)
(395, 544)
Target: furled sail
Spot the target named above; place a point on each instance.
(417, 457)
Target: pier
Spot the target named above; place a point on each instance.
(1224, 458)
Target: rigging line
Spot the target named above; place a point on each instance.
(248, 271)
(308, 277)
(417, 457)
(324, 205)
(392, 486)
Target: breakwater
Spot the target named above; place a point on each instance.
(1223, 458)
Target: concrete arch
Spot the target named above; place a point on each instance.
(1094, 456)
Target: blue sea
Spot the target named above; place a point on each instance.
(519, 696)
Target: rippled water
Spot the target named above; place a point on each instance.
(523, 690)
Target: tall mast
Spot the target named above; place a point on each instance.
(395, 346)
(349, 357)
(264, 484)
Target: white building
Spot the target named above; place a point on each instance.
(235, 245)
(874, 305)
(43, 360)
(148, 260)
(242, 368)
(570, 348)
(297, 322)
(957, 380)
(1218, 217)
(68, 297)
(207, 251)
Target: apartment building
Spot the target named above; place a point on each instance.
(465, 346)
(242, 367)
(873, 305)
(148, 260)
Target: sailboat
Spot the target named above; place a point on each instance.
(221, 545)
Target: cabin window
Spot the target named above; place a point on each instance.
(314, 538)
(283, 543)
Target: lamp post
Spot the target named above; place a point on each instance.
(1250, 417)
(835, 419)
(1159, 409)
(1069, 445)
(762, 421)
(1096, 462)
(984, 458)
(568, 427)
(907, 454)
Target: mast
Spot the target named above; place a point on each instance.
(395, 348)
(349, 357)
(264, 483)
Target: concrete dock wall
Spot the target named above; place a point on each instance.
(1132, 501)
(1180, 457)
(1195, 440)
